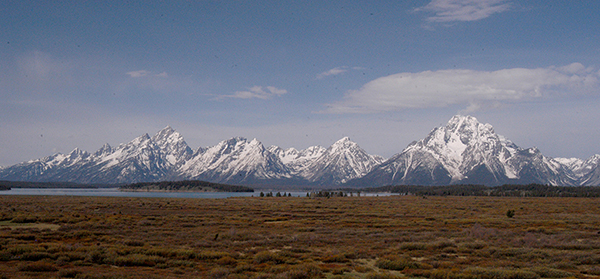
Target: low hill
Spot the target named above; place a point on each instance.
(7, 185)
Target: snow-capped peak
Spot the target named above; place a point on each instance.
(464, 144)
(343, 144)
(342, 161)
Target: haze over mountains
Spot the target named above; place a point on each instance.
(462, 151)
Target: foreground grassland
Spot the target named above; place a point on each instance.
(346, 237)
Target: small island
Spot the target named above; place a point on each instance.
(183, 186)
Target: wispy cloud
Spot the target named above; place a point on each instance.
(333, 72)
(137, 74)
(463, 10)
(144, 73)
(258, 92)
(473, 89)
(163, 74)
(337, 71)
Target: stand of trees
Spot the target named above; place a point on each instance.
(507, 190)
(187, 185)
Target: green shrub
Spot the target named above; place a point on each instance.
(510, 213)
(485, 273)
(138, 260)
(5, 256)
(35, 256)
(211, 255)
(547, 272)
(227, 260)
(306, 271)
(337, 258)
(134, 243)
(38, 267)
(24, 219)
(413, 246)
(395, 263)
(219, 272)
(68, 273)
(19, 250)
(381, 276)
(266, 256)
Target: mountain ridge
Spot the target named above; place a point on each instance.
(461, 151)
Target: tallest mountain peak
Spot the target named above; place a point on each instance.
(462, 119)
(467, 124)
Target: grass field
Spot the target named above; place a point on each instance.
(345, 237)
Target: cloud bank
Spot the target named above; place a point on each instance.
(474, 89)
(463, 10)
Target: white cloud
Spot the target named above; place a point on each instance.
(474, 89)
(337, 71)
(137, 74)
(145, 73)
(163, 74)
(258, 92)
(463, 10)
(333, 72)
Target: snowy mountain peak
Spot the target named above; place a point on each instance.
(255, 142)
(466, 129)
(78, 153)
(461, 151)
(164, 133)
(103, 151)
(342, 161)
(343, 144)
(141, 139)
(344, 139)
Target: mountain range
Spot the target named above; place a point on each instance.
(462, 151)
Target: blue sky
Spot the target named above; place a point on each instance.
(296, 73)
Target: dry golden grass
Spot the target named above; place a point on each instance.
(351, 237)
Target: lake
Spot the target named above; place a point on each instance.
(114, 192)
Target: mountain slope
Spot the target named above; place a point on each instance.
(236, 160)
(143, 159)
(466, 151)
(462, 151)
(342, 161)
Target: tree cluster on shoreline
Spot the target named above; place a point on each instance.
(186, 185)
(507, 190)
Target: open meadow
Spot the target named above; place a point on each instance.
(291, 237)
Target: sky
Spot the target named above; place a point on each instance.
(79, 74)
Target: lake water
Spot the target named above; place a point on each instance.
(114, 192)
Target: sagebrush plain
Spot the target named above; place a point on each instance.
(298, 237)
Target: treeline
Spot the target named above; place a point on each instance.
(186, 185)
(7, 185)
(279, 194)
(507, 190)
